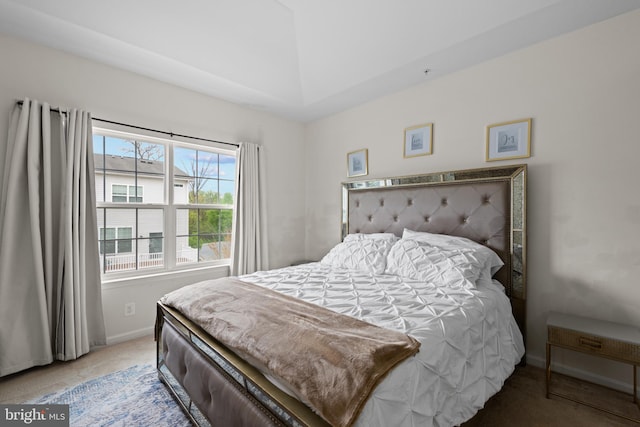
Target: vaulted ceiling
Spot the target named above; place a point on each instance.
(302, 59)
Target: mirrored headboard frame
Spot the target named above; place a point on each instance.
(515, 178)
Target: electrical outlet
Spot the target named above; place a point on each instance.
(130, 309)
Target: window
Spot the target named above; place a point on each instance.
(155, 243)
(126, 193)
(118, 193)
(115, 240)
(161, 204)
(135, 194)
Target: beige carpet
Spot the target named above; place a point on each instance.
(521, 402)
(35, 382)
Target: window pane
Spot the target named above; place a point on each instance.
(208, 248)
(150, 221)
(207, 164)
(182, 221)
(227, 169)
(119, 155)
(201, 171)
(181, 191)
(119, 166)
(124, 244)
(98, 163)
(150, 253)
(122, 261)
(184, 252)
(126, 167)
(120, 218)
(227, 192)
(135, 193)
(193, 221)
(150, 241)
(118, 190)
(226, 221)
(225, 246)
(116, 232)
(184, 162)
(150, 158)
(150, 174)
(207, 191)
(208, 234)
(209, 221)
(107, 242)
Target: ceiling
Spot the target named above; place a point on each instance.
(301, 59)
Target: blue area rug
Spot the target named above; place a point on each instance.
(130, 398)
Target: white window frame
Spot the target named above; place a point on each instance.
(169, 208)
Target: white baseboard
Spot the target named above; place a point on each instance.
(626, 387)
(115, 339)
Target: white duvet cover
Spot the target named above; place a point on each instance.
(470, 342)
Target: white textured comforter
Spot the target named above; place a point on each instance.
(470, 341)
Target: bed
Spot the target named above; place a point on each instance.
(393, 271)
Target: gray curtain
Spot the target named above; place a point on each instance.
(250, 235)
(50, 292)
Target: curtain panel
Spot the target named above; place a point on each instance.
(50, 290)
(249, 253)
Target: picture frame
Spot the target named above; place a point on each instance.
(418, 140)
(508, 140)
(357, 163)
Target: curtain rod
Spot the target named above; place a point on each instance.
(171, 134)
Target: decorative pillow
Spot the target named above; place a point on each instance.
(492, 260)
(360, 254)
(451, 267)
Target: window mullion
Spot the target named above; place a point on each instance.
(169, 210)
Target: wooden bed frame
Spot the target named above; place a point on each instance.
(486, 205)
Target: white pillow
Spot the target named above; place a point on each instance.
(360, 254)
(492, 261)
(450, 267)
(373, 236)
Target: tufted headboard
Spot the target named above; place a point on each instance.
(485, 205)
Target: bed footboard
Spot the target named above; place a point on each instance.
(215, 387)
(219, 398)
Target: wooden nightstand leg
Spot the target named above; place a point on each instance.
(635, 385)
(548, 373)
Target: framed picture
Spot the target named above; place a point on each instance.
(418, 140)
(357, 163)
(509, 140)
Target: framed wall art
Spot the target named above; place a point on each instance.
(509, 140)
(357, 163)
(418, 140)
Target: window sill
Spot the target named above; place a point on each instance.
(111, 283)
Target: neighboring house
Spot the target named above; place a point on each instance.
(116, 183)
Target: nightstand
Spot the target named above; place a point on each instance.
(596, 337)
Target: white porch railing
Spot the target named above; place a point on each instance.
(120, 262)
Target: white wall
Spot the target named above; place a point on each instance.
(28, 70)
(583, 92)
